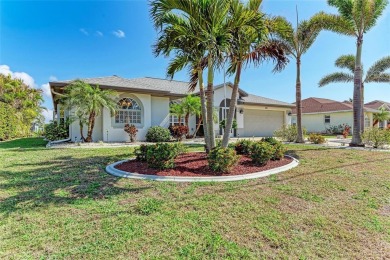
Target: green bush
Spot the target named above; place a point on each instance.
(54, 131)
(316, 138)
(261, 152)
(376, 137)
(243, 146)
(158, 134)
(222, 159)
(8, 122)
(162, 155)
(140, 152)
(279, 148)
(288, 133)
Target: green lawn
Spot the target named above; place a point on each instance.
(59, 203)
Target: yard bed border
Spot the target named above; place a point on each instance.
(110, 169)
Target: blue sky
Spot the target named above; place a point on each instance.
(48, 40)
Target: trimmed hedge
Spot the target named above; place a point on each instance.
(158, 134)
(162, 155)
(8, 122)
(222, 159)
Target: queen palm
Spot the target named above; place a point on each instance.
(375, 74)
(91, 99)
(250, 43)
(355, 18)
(297, 43)
(207, 20)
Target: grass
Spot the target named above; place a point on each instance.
(59, 203)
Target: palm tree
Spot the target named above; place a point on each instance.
(177, 109)
(383, 115)
(200, 27)
(376, 73)
(191, 106)
(88, 100)
(250, 43)
(355, 18)
(297, 43)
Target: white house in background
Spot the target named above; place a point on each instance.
(378, 104)
(319, 114)
(147, 104)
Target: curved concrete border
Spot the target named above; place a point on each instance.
(118, 173)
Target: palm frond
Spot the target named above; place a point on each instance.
(335, 23)
(380, 78)
(337, 77)
(346, 62)
(377, 68)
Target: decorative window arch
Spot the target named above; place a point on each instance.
(129, 112)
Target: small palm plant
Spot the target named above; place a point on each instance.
(88, 100)
(383, 115)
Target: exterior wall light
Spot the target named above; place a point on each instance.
(241, 111)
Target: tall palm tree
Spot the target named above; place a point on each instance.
(82, 96)
(206, 34)
(250, 43)
(355, 18)
(376, 73)
(297, 43)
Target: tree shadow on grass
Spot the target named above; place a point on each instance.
(64, 180)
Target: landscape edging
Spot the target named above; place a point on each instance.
(110, 169)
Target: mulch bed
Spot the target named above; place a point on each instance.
(195, 165)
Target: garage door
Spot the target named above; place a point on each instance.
(261, 123)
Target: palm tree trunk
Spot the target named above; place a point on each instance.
(357, 101)
(203, 109)
(81, 130)
(186, 119)
(210, 103)
(197, 126)
(298, 103)
(362, 117)
(91, 123)
(232, 107)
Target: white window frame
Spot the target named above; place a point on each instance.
(126, 115)
(174, 120)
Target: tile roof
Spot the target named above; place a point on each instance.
(322, 105)
(376, 104)
(166, 87)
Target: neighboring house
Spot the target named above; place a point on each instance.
(319, 114)
(145, 103)
(378, 104)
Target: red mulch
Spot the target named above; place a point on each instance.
(195, 165)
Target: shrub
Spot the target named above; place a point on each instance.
(54, 131)
(288, 133)
(222, 159)
(140, 152)
(337, 129)
(261, 152)
(8, 122)
(376, 137)
(132, 131)
(178, 131)
(158, 134)
(243, 146)
(279, 148)
(162, 155)
(316, 138)
(346, 131)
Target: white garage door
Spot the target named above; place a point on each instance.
(261, 123)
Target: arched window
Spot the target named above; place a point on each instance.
(129, 112)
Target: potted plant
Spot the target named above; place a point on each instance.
(132, 131)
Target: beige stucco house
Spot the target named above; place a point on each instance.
(145, 102)
(319, 114)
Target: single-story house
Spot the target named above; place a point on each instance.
(150, 99)
(319, 114)
(378, 104)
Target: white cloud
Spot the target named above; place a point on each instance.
(83, 31)
(48, 114)
(53, 78)
(27, 79)
(46, 90)
(99, 33)
(119, 33)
